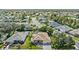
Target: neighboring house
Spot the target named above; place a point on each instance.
(40, 17)
(36, 23)
(53, 24)
(41, 38)
(56, 32)
(75, 32)
(17, 37)
(63, 28)
(43, 20)
(28, 28)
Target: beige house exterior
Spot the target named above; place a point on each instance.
(40, 37)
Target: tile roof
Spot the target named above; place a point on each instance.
(40, 36)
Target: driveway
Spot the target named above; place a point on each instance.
(47, 47)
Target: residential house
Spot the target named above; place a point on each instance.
(28, 27)
(35, 22)
(40, 38)
(43, 20)
(17, 37)
(75, 32)
(53, 24)
(63, 28)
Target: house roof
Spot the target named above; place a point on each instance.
(74, 32)
(54, 24)
(19, 36)
(36, 22)
(40, 36)
(63, 28)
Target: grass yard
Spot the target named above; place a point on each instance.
(1, 45)
(27, 44)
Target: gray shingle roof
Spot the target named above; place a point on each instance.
(75, 32)
(63, 28)
(54, 24)
(18, 36)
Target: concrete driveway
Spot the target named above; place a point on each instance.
(47, 47)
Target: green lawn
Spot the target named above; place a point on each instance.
(1, 45)
(27, 44)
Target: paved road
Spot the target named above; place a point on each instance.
(47, 47)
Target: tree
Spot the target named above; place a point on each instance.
(43, 28)
(22, 26)
(62, 41)
(23, 16)
(77, 16)
(49, 31)
(0, 35)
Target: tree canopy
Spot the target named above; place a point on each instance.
(62, 41)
